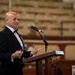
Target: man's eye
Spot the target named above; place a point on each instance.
(14, 19)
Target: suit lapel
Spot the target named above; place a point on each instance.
(11, 35)
(22, 42)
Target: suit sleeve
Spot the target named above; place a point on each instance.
(4, 55)
(26, 54)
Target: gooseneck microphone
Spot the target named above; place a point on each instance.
(42, 36)
(34, 28)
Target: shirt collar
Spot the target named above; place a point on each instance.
(10, 28)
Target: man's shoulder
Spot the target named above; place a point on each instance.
(3, 33)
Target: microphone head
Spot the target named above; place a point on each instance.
(33, 27)
(29, 25)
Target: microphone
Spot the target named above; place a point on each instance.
(33, 27)
(42, 36)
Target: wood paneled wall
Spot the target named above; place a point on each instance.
(53, 18)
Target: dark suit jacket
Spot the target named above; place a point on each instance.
(8, 45)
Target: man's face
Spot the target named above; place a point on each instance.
(12, 20)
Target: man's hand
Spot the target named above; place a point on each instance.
(34, 51)
(17, 54)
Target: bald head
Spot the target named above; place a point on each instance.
(11, 19)
(9, 14)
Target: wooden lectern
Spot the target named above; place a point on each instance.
(38, 59)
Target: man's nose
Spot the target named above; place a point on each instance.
(17, 20)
